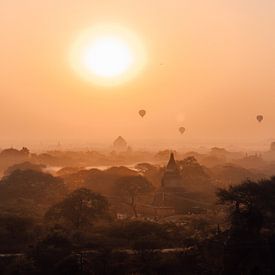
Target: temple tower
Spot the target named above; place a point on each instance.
(171, 177)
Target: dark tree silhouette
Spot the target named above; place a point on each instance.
(252, 209)
(49, 251)
(195, 176)
(250, 194)
(80, 208)
(29, 191)
(130, 188)
(252, 201)
(24, 166)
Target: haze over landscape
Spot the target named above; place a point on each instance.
(137, 137)
(209, 68)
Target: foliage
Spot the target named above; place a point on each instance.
(97, 180)
(252, 204)
(131, 187)
(195, 176)
(34, 185)
(151, 172)
(15, 231)
(24, 166)
(250, 194)
(52, 249)
(80, 208)
(30, 191)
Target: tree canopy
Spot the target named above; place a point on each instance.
(30, 189)
(131, 187)
(251, 201)
(195, 176)
(80, 209)
(260, 194)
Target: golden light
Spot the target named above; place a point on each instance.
(107, 55)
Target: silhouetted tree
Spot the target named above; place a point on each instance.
(151, 172)
(31, 190)
(24, 166)
(252, 202)
(251, 194)
(194, 175)
(15, 231)
(130, 188)
(100, 181)
(251, 208)
(80, 208)
(51, 250)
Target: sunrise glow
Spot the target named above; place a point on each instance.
(107, 55)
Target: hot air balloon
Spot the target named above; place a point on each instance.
(181, 130)
(142, 113)
(260, 118)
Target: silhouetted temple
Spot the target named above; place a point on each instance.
(171, 184)
(171, 177)
(120, 144)
(173, 197)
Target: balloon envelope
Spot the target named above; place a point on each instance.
(142, 113)
(182, 130)
(260, 118)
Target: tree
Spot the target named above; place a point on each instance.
(151, 172)
(194, 175)
(80, 208)
(259, 194)
(250, 200)
(252, 208)
(190, 167)
(132, 187)
(49, 251)
(30, 191)
(15, 231)
(24, 166)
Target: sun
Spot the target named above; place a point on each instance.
(107, 55)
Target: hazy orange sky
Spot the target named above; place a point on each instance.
(218, 73)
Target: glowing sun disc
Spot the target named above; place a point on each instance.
(107, 55)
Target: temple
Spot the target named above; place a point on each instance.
(171, 186)
(171, 178)
(120, 144)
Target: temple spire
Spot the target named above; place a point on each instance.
(172, 166)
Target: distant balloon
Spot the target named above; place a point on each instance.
(181, 130)
(142, 113)
(260, 118)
